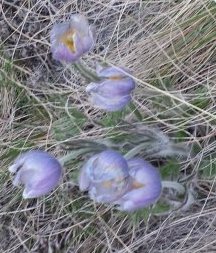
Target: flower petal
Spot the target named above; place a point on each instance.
(110, 105)
(143, 171)
(62, 52)
(80, 23)
(110, 88)
(145, 188)
(138, 198)
(84, 177)
(109, 164)
(112, 72)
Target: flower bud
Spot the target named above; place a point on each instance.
(113, 92)
(71, 39)
(105, 176)
(38, 171)
(145, 186)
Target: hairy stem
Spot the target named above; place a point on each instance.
(86, 72)
(174, 185)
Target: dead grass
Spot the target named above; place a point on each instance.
(170, 47)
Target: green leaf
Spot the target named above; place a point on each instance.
(68, 126)
(113, 118)
(170, 169)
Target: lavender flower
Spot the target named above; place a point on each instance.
(145, 186)
(71, 39)
(38, 171)
(131, 184)
(105, 176)
(113, 92)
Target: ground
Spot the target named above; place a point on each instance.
(169, 47)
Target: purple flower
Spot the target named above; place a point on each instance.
(131, 184)
(105, 176)
(38, 171)
(145, 186)
(113, 92)
(71, 39)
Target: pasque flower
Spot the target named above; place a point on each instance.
(110, 178)
(113, 91)
(38, 171)
(145, 186)
(71, 39)
(105, 176)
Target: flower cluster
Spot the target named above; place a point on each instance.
(110, 178)
(71, 40)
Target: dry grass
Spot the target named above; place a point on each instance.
(170, 47)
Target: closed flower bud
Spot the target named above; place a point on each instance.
(38, 171)
(145, 186)
(71, 39)
(105, 176)
(113, 92)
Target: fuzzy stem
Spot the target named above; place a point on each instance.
(73, 155)
(174, 185)
(146, 147)
(90, 75)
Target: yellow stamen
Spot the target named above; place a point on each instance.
(107, 184)
(115, 78)
(68, 40)
(136, 184)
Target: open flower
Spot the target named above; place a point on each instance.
(113, 92)
(71, 39)
(105, 176)
(131, 184)
(38, 171)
